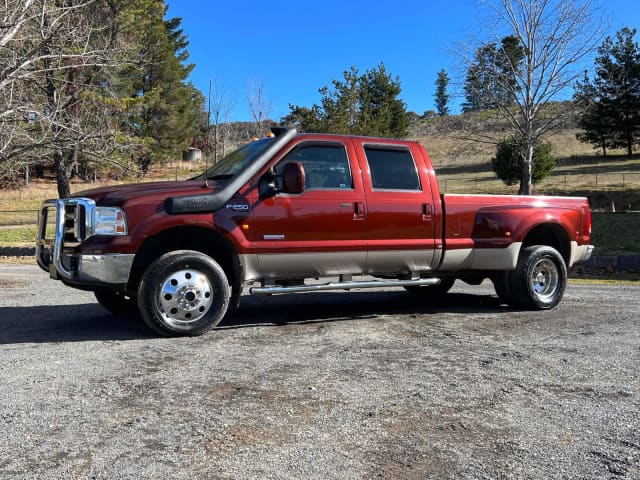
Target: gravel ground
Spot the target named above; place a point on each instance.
(370, 384)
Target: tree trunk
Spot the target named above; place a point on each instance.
(527, 164)
(62, 179)
(629, 135)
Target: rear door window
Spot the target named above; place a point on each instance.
(392, 168)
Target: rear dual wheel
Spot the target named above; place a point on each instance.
(537, 283)
(183, 293)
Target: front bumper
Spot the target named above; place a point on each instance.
(57, 256)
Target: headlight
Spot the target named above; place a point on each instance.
(109, 221)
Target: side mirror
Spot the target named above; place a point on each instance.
(293, 178)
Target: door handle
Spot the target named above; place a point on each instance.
(427, 213)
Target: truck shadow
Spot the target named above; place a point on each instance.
(67, 323)
(330, 307)
(90, 322)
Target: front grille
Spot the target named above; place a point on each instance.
(62, 225)
(75, 221)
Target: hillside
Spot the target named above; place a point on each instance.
(464, 166)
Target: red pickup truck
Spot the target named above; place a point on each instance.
(279, 212)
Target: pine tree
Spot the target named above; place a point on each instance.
(170, 112)
(441, 95)
(382, 113)
(366, 104)
(597, 119)
(491, 78)
(611, 103)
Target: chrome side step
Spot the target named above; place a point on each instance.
(348, 285)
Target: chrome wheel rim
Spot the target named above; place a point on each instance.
(186, 296)
(544, 280)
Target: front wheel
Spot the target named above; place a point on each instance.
(540, 278)
(183, 293)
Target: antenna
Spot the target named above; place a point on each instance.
(206, 157)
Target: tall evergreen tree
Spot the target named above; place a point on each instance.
(366, 104)
(441, 95)
(597, 118)
(491, 78)
(170, 112)
(382, 113)
(611, 103)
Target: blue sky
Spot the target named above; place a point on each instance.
(294, 48)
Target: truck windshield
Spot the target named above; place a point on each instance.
(236, 161)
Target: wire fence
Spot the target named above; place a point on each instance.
(18, 217)
(593, 181)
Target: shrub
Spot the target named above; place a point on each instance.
(507, 164)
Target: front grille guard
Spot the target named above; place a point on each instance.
(69, 229)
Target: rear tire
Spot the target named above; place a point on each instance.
(540, 278)
(502, 285)
(183, 293)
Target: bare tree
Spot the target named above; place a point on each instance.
(54, 96)
(260, 106)
(557, 37)
(220, 105)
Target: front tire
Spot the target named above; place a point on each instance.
(540, 278)
(183, 293)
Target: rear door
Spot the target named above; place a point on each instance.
(400, 208)
(321, 231)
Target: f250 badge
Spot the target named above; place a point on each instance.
(238, 207)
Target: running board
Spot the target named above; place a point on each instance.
(270, 290)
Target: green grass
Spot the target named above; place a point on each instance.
(24, 236)
(615, 233)
(618, 278)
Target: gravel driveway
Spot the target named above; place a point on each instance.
(370, 384)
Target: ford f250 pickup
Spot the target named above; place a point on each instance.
(305, 212)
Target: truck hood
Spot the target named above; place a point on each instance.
(117, 194)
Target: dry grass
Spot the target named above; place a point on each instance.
(465, 167)
(20, 206)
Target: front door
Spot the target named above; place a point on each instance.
(322, 231)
